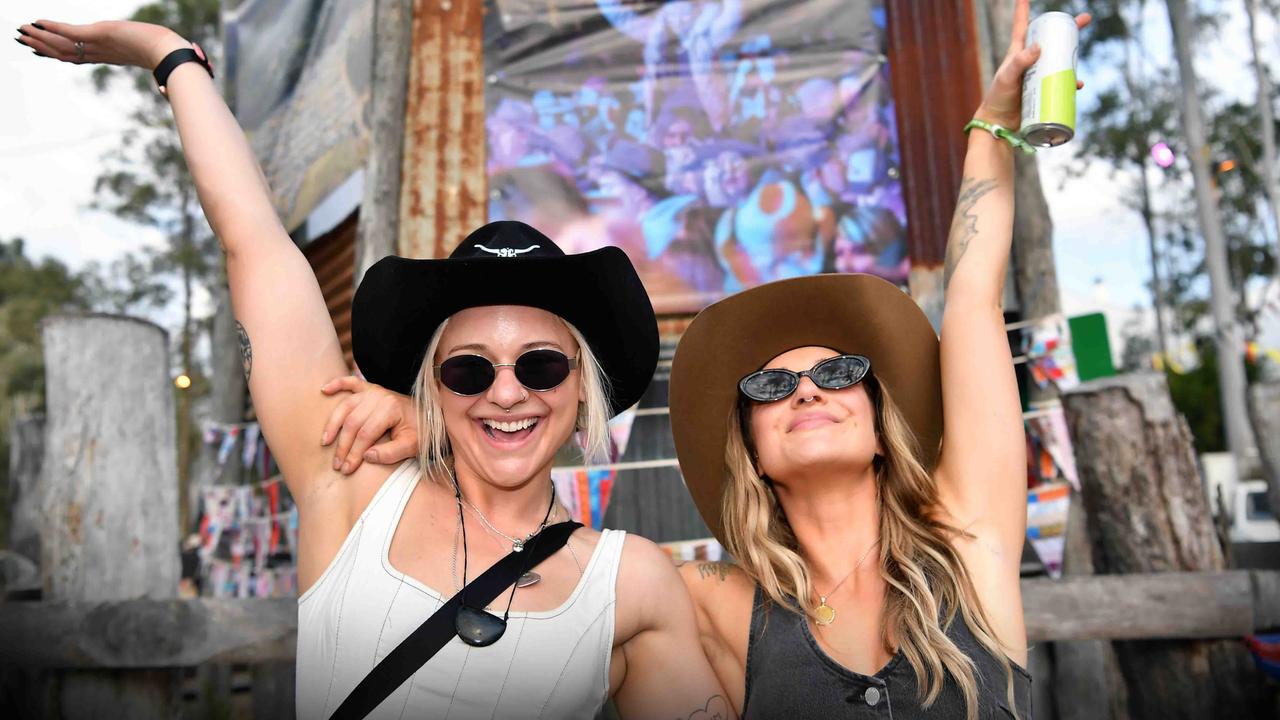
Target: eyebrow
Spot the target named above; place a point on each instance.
(482, 348)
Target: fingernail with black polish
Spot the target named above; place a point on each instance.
(19, 41)
(38, 53)
(37, 25)
(22, 32)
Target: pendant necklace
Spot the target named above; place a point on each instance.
(475, 626)
(827, 614)
(517, 544)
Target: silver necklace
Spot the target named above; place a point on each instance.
(527, 579)
(517, 544)
(827, 614)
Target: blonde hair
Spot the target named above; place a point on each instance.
(434, 453)
(924, 573)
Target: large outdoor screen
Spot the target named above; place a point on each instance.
(720, 143)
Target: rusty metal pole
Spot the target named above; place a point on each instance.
(444, 190)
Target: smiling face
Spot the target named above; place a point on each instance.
(508, 434)
(813, 430)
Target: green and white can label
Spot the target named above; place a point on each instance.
(1049, 86)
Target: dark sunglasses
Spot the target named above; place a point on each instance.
(835, 373)
(538, 370)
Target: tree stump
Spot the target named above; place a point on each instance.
(109, 492)
(1264, 412)
(1148, 512)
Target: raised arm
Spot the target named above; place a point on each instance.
(982, 471)
(288, 340)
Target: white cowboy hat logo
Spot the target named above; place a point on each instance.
(507, 252)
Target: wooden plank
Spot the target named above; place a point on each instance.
(172, 633)
(1121, 607)
(148, 633)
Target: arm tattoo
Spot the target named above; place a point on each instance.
(712, 569)
(715, 709)
(246, 351)
(964, 224)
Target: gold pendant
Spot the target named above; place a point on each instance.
(825, 613)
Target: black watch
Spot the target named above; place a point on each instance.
(173, 60)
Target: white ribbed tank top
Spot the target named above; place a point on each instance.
(552, 664)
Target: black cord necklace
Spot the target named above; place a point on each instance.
(476, 626)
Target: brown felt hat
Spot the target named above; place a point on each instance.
(852, 313)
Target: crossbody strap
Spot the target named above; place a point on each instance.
(422, 644)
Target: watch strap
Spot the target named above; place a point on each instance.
(173, 60)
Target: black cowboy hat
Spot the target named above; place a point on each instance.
(401, 302)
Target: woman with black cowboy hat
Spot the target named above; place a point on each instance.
(868, 479)
(509, 347)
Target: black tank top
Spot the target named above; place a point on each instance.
(790, 676)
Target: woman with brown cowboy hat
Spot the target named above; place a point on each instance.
(868, 478)
(508, 347)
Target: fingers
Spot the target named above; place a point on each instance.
(1023, 60)
(337, 418)
(41, 39)
(1021, 16)
(402, 446)
(71, 32)
(363, 427)
(348, 383)
(1083, 20)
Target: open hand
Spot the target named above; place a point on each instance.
(361, 419)
(114, 42)
(1003, 101)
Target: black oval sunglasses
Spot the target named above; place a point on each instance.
(538, 370)
(773, 384)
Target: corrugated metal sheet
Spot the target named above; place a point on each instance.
(332, 258)
(937, 85)
(444, 191)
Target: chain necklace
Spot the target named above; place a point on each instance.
(517, 544)
(827, 614)
(527, 579)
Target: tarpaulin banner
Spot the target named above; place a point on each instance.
(299, 82)
(720, 143)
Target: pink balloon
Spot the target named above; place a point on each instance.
(1162, 154)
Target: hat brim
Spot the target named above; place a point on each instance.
(851, 313)
(401, 302)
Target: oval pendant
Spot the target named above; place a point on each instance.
(517, 546)
(478, 628)
(527, 579)
(825, 614)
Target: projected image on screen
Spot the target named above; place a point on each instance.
(720, 143)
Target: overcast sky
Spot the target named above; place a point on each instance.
(57, 128)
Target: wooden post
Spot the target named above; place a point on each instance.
(109, 485)
(379, 223)
(1148, 512)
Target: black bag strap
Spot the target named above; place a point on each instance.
(422, 644)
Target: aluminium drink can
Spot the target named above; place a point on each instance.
(1049, 86)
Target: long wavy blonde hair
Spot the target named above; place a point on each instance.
(435, 456)
(928, 585)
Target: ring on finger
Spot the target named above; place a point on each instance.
(79, 49)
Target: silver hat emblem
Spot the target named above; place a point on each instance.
(507, 252)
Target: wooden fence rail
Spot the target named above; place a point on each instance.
(173, 633)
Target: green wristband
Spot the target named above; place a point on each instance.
(1001, 133)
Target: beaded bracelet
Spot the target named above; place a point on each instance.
(1001, 133)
